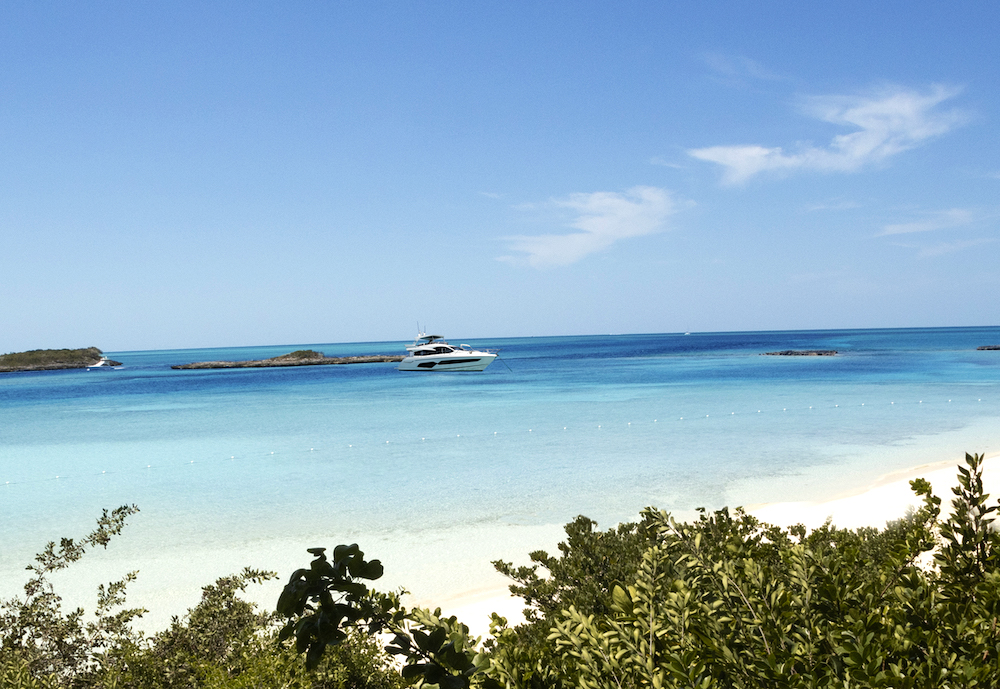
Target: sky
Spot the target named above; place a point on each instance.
(215, 174)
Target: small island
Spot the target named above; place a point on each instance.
(53, 360)
(302, 357)
(802, 352)
(987, 348)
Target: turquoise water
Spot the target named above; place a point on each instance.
(598, 425)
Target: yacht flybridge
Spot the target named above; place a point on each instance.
(432, 353)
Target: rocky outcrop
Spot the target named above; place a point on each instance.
(53, 360)
(802, 352)
(302, 357)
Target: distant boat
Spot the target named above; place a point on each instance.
(432, 353)
(105, 364)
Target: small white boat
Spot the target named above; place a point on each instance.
(432, 353)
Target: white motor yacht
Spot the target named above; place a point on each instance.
(432, 353)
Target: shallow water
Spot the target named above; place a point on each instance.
(229, 461)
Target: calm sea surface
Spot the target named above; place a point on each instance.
(598, 425)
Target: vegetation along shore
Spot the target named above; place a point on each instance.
(302, 357)
(53, 359)
(726, 600)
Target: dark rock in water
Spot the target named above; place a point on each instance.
(802, 352)
(987, 347)
(302, 357)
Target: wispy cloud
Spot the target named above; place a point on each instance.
(602, 219)
(940, 220)
(663, 162)
(738, 67)
(888, 122)
(490, 194)
(834, 205)
(951, 247)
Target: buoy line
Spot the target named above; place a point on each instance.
(497, 435)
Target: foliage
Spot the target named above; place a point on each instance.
(300, 354)
(38, 637)
(51, 357)
(222, 643)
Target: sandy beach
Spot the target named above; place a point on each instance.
(886, 499)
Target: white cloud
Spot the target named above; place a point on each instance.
(950, 247)
(736, 67)
(888, 123)
(603, 218)
(954, 217)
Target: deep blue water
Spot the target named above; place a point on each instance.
(599, 425)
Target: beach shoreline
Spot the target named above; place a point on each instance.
(885, 499)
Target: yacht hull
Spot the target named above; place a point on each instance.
(459, 361)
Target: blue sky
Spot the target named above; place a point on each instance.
(221, 174)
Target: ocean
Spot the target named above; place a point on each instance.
(436, 474)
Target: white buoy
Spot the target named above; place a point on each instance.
(192, 461)
(629, 423)
(758, 411)
(706, 416)
(836, 405)
(426, 438)
(564, 428)
(233, 457)
(272, 453)
(458, 435)
(682, 418)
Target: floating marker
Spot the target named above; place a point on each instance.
(564, 428)
(629, 423)
(758, 411)
(458, 435)
(836, 405)
(732, 413)
(706, 416)
(192, 461)
(233, 457)
(272, 453)
(426, 438)
(810, 407)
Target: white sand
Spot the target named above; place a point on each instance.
(451, 569)
(886, 499)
